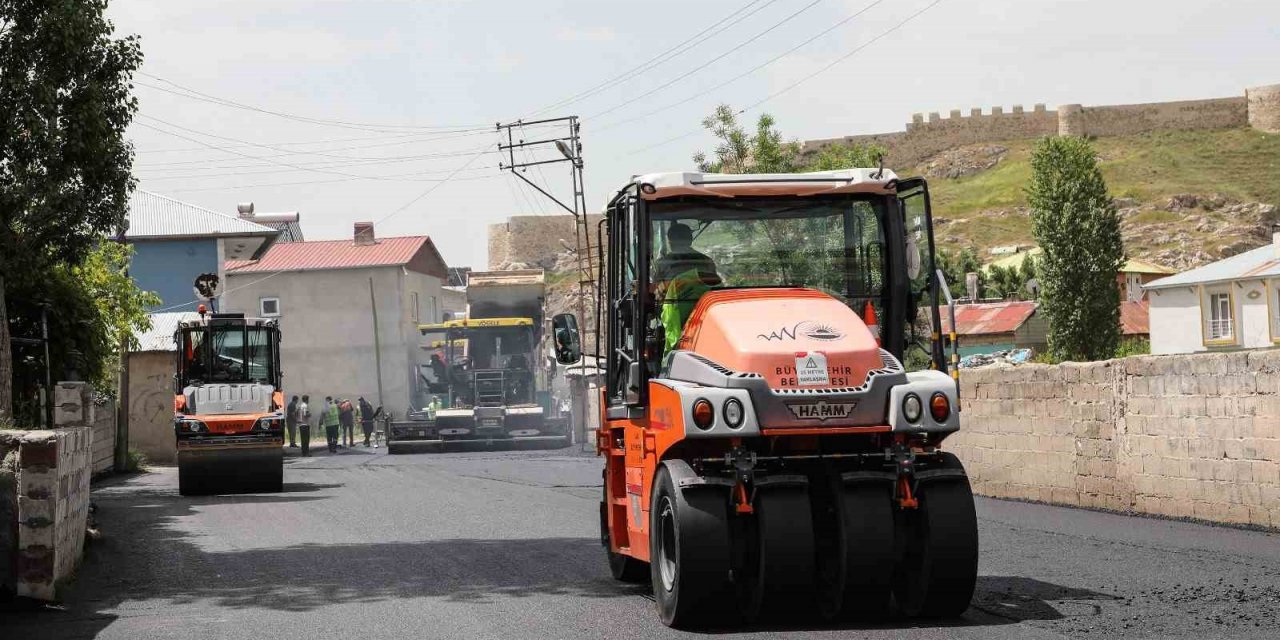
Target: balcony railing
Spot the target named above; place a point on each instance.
(1220, 329)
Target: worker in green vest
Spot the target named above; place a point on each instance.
(680, 296)
(331, 421)
(682, 275)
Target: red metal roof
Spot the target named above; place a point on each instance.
(333, 254)
(1135, 318)
(988, 318)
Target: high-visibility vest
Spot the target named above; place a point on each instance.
(683, 292)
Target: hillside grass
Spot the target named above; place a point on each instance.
(1240, 163)
(981, 210)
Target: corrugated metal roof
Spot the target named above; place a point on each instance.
(1142, 266)
(1263, 262)
(1014, 261)
(1135, 318)
(160, 336)
(332, 254)
(152, 215)
(988, 318)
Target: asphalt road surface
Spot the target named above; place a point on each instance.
(504, 545)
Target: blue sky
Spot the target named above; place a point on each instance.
(384, 75)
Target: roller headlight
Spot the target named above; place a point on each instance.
(192, 426)
(704, 415)
(911, 407)
(733, 413)
(940, 407)
(267, 424)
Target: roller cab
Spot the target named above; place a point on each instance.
(767, 453)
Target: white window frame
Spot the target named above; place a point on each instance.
(1218, 330)
(262, 306)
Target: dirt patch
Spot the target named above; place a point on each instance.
(965, 161)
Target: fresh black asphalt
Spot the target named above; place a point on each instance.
(504, 545)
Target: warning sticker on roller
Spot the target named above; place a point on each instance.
(811, 368)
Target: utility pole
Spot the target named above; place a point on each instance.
(569, 146)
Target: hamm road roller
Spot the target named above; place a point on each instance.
(767, 455)
(228, 406)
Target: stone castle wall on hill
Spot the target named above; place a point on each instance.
(534, 241)
(926, 136)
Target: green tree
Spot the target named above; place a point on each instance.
(956, 265)
(65, 102)
(91, 308)
(1078, 229)
(766, 151)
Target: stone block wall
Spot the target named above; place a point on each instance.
(44, 497)
(1119, 120)
(1195, 436)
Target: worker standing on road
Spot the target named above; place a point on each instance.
(291, 421)
(346, 418)
(330, 419)
(366, 419)
(303, 419)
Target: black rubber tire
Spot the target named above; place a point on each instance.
(779, 580)
(859, 582)
(939, 567)
(689, 543)
(622, 568)
(189, 484)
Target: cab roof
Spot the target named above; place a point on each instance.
(729, 185)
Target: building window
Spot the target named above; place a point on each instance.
(435, 312)
(413, 306)
(1220, 320)
(269, 307)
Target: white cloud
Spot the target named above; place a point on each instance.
(586, 34)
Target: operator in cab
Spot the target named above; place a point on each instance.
(681, 276)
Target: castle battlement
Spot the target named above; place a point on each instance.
(928, 134)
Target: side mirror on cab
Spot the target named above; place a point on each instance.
(564, 330)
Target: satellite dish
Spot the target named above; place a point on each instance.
(206, 286)
(1033, 287)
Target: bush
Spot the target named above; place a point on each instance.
(135, 462)
(1133, 347)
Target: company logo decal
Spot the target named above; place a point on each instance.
(806, 328)
(822, 410)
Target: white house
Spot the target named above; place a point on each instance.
(349, 312)
(1233, 303)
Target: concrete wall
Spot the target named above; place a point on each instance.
(327, 343)
(103, 423)
(926, 136)
(151, 405)
(1194, 436)
(169, 267)
(1179, 314)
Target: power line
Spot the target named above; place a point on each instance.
(661, 57)
(193, 94)
(743, 74)
(205, 161)
(246, 155)
(797, 83)
(653, 90)
(259, 144)
(433, 187)
(310, 182)
(201, 176)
